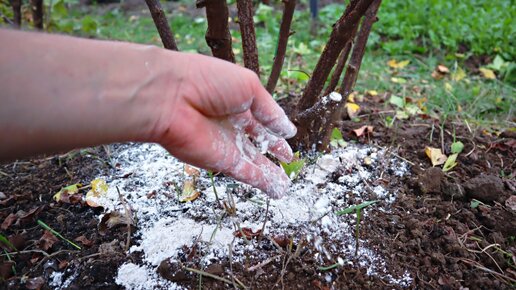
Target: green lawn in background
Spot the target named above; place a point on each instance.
(425, 32)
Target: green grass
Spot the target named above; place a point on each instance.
(427, 33)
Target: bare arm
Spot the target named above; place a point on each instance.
(60, 93)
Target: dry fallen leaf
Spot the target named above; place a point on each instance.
(8, 221)
(442, 69)
(511, 202)
(353, 109)
(248, 232)
(398, 65)
(113, 219)
(360, 131)
(192, 171)
(190, 193)
(66, 194)
(487, 73)
(85, 241)
(435, 155)
(99, 189)
(47, 240)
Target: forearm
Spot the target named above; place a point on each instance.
(59, 93)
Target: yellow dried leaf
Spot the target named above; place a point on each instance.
(71, 189)
(372, 93)
(99, 186)
(353, 109)
(487, 73)
(351, 98)
(398, 65)
(458, 75)
(398, 80)
(435, 155)
(189, 193)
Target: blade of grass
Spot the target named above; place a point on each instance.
(48, 228)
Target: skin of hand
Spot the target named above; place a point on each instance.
(60, 93)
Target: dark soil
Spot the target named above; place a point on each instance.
(434, 230)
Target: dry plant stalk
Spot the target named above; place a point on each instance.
(160, 20)
(246, 23)
(218, 36)
(279, 58)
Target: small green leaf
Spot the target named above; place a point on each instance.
(293, 168)
(397, 101)
(336, 139)
(475, 203)
(354, 208)
(450, 162)
(457, 147)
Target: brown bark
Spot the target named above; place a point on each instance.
(340, 35)
(351, 74)
(16, 4)
(37, 13)
(245, 20)
(160, 20)
(279, 58)
(217, 35)
(343, 57)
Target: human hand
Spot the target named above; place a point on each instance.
(206, 119)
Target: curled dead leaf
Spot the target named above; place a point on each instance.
(85, 241)
(191, 171)
(352, 109)
(282, 240)
(47, 240)
(442, 69)
(113, 219)
(64, 195)
(435, 155)
(190, 193)
(364, 129)
(248, 233)
(8, 221)
(99, 189)
(487, 73)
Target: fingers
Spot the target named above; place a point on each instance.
(216, 145)
(265, 141)
(218, 88)
(270, 114)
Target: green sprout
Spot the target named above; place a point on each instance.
(356, 209)
(293, 168)
(55, 233)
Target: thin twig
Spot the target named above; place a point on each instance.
(160, 20)
(279, 58)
